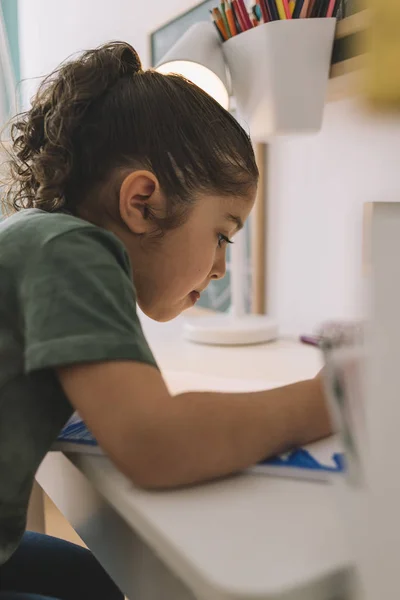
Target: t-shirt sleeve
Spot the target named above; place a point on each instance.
(78, 303)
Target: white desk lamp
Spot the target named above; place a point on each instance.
(198, 56)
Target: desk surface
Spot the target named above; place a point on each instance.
(249, 536)
(284, 361)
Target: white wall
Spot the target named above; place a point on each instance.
(51, 30)
(318, 185)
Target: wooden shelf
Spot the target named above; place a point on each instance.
(356, 23)
(346, 79)
(348, 58)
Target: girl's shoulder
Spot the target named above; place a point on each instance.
(41, 224)
(33, 234)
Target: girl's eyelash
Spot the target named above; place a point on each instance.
(222, 238)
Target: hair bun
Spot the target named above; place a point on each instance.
(129, 58)
(124, 57)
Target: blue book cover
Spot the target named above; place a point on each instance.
(76, 437)
(319, 461)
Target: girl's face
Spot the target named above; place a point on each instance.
(170, 272)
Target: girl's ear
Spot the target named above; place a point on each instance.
(139, 197)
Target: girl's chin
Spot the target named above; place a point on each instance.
(162, 313)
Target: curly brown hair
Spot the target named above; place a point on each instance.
(101, 114)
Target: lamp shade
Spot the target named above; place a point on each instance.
(197, 55)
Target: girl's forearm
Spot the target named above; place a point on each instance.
(203, 435)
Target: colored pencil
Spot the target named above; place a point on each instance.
(221, 37)
(311, 340)
(235, 18)
(319, 8)
(219, 23)
(219, 31)
(286, 8)
(239, 14)
(239, 18)
(244, 13)
(281, 9)
(337, 7)
(331, 8)
(264, 3)
(315, 9)
(224, 19)
(297, 9)
(304, 10)
(255, 22)
(230, 18)
(264, 10)
(310, 8)
(292, 4)
(273, 10)
(322, 9)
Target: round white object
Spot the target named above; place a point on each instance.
(226, 330)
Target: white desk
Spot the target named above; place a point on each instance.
(245, 538)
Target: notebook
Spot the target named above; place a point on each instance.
(318, 461)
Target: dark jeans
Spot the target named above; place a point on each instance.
(46, 568)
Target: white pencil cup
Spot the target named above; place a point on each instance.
(279, 74)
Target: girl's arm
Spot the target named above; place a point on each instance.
(161, 441)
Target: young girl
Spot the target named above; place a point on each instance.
(127, 187)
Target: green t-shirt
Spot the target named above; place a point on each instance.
(66, 296)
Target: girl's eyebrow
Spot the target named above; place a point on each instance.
(237, 220)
